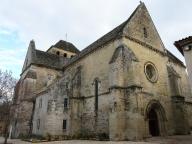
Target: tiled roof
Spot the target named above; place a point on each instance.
(174, 58)
(67, 46)
(180, 43)
(49, 60)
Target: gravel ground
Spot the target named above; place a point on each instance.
(155, 140)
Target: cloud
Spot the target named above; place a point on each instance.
(84, 21)
(12, 51)
(47, 21)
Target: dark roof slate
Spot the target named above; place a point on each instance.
(49, 60)
(67, 46)
(180, 43)
(174, 58)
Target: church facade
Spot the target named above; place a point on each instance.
(124, 86)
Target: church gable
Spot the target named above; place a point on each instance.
(140, 26)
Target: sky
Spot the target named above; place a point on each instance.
(83, 21)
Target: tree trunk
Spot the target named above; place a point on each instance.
(6, 133)
(7, 123)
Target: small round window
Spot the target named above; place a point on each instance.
(151, 72)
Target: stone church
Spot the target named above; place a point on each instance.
(124, 86)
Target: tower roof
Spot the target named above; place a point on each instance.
(183, 42)
(64, 45)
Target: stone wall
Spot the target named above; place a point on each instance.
(125, 93)
(187, 55)
(189, 113)
(54, 50)
(113, 87)
(34, 79)
(22, 116)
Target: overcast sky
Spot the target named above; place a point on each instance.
(84, 21)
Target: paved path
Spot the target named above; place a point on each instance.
(155, 140)
(184, 139)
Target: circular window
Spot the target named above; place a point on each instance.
(151, 72)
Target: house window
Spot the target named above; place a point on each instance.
(65, 102)
(71, 56)
(64, 124)
(65, 55)
(40, 103)
(58, 53)
(38, 123)
(145, 32)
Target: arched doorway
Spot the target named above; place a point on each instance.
(153, 123)
(155, 119)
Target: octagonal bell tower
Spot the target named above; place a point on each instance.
(185, 47)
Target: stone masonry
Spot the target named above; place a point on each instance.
(124, 86)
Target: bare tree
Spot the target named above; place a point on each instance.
(7, 84)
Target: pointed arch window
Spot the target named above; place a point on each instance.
(64, 124)
(65, 103)
(96, 86)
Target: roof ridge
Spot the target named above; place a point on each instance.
(171, 55)
(114, 33)
(122, 25)
(51, 54)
